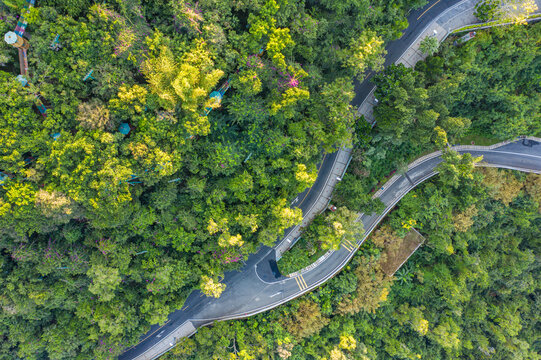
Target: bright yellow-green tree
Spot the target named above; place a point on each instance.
(185, 82)
(211, 287)
(366, 52)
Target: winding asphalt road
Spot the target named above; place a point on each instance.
(417, 20)
(255, 288)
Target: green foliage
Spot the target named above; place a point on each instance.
(479, 301)
(429, 45)
(366, 53)
(302, 254)
(187, 84)
(336, 116)
(486, 10)
(71, 7)
(126, 218)
(402, 101)
(104, 281)
(456, 168)
(483, 89)
(504, 103)
(326, 231)
(351, 192)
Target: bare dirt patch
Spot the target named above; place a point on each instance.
(397, 256)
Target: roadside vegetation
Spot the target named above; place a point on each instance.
(505, 11)
(483, 91)
(326, 232)
(300, 255)
(470, 292)
(446, 95)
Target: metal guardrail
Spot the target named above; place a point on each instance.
(489, 24)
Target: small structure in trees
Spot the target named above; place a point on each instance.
(3, 178)
(124, 128)
(16, 40)
(465, 38)
(24, 82)
(55, 45)
(216, 96)
(22, 23)
(248, 157)
(134, 179)
(42, 109)
(28, 159)
(88, 75)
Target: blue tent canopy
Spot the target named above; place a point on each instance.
(22, 80)
(124, 128)
(217, 95)
(3, 178)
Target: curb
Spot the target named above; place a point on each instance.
(489, 24)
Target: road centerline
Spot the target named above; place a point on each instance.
(431, 6)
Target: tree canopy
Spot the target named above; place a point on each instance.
(469, 292)
(225, 108)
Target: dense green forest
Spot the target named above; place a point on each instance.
(471, 292)
(103, 233)
(487, 89)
